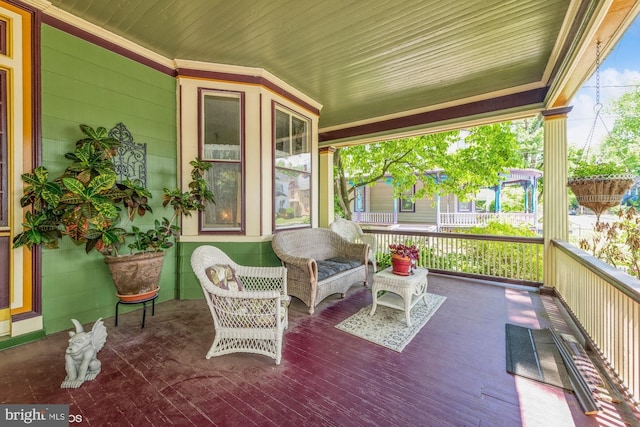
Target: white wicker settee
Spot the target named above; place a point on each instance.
(251, 320)
(319, 263)
(352, 231)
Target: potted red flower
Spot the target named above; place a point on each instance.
(402, 258)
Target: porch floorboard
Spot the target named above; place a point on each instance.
(451, 374)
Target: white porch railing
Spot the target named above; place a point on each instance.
(375, 217)
(472, 219)
(453, 220)
(500, 258)
(606, 303)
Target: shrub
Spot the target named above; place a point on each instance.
(617, 243)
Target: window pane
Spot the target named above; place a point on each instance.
(283, 134)
(464, 206)
(225, 180)
(299, 162)
(406, 205)
(292, 187)
(221, 123)
(292, 198)
(299, 135)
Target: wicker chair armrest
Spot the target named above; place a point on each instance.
(370, 240)
(299, 266)
(359, 251)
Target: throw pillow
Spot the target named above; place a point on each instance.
(224, 277)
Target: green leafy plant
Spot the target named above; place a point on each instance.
(587, 169)
(410, 251)
(618, 242)
(86, 203)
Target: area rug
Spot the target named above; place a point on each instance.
(388, 327)
(532, 353)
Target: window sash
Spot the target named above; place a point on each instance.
(292, 169)
(222, 145)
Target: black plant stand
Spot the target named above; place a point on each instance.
(144, 308)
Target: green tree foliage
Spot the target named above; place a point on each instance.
(618, 242)
(530, 136)
(622, 145)
(469, 163)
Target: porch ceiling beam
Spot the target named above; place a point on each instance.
(532, 99)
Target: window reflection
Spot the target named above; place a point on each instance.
(222, 146)
(292, 188)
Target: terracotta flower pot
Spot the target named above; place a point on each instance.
(400, 265)
(136, 275)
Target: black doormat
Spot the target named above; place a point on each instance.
(532, 353)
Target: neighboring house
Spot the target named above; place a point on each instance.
(376, 204)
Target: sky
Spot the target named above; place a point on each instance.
(619, 73)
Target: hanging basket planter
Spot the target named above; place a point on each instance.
(600, 193)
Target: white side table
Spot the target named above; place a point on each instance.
(403, 292)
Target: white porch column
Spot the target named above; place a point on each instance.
(555, 223)
(325, 199)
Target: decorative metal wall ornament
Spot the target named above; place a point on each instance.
(131, 160)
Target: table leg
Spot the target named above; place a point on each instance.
(407, 306)
(374, 295)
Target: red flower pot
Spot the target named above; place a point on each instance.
(400, 265)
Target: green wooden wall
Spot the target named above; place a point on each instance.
(86, 84)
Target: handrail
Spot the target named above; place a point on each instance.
(615, 277)
(605, 302)
(514, 259)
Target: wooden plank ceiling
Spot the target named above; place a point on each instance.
(366, 61)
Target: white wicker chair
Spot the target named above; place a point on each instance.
(353, 232)
(249, 321)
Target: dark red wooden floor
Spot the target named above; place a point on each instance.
(451, 374)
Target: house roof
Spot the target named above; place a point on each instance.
(382, 68)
